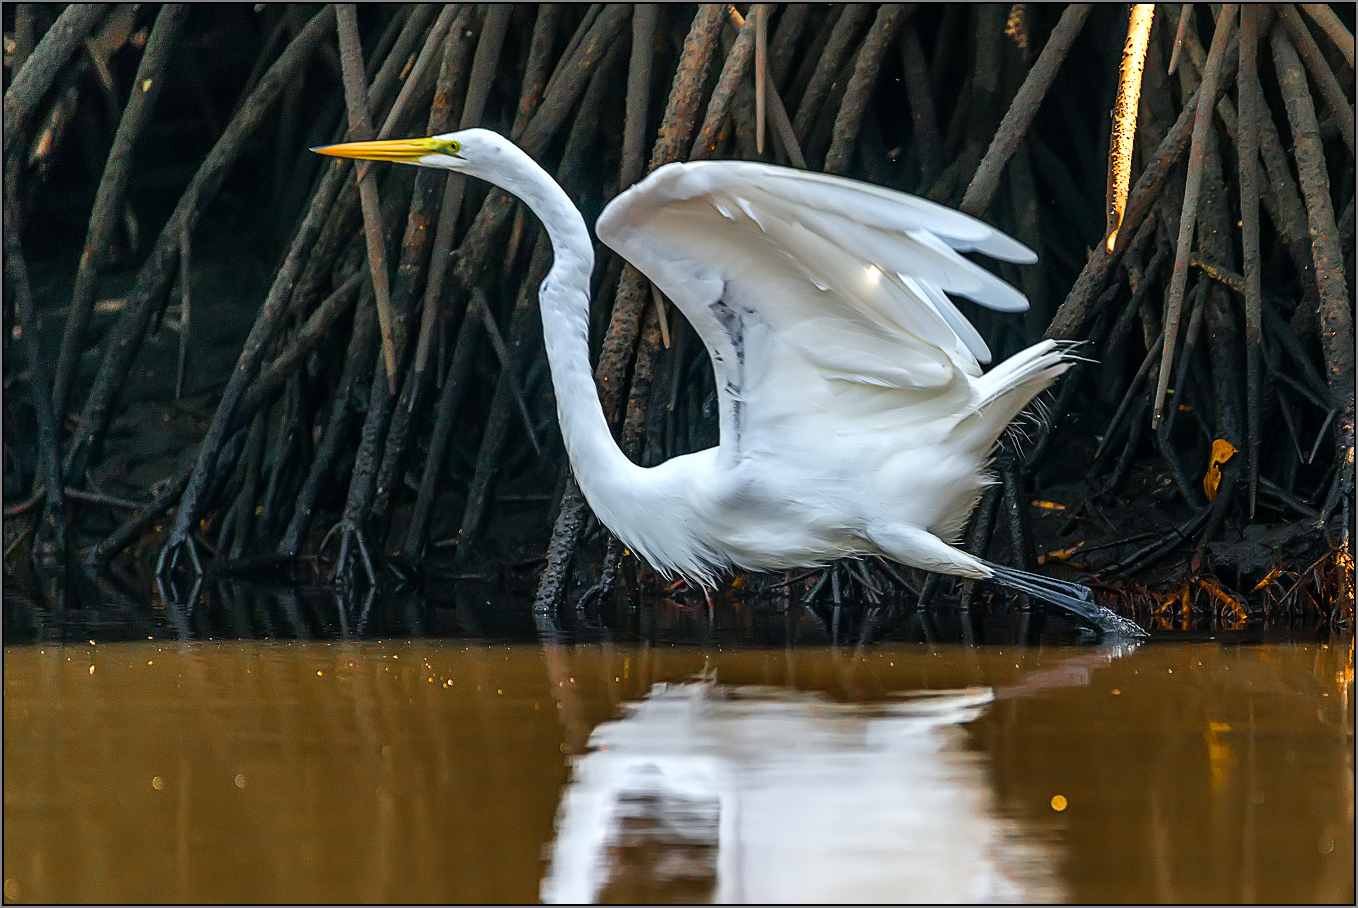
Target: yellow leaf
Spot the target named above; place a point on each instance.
(1222, 451)
(1060, 554)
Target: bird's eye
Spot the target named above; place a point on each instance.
(452, 146)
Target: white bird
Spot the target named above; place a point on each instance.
(855, 418)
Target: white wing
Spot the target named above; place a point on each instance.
(815, 295)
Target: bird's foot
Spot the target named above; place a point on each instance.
(1071, 597)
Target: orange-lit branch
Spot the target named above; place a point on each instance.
(1124, 115)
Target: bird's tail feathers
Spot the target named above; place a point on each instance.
(1037, 365)
(1005, 390)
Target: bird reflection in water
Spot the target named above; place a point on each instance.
(747, 794)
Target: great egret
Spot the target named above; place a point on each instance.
(854, 415)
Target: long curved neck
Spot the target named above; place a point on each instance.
(602, 470)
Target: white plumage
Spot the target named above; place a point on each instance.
(855, 418)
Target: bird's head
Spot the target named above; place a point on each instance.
(471, 151)
(488, 156)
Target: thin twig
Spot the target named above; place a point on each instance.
(247, 365)
(508, 362)
(1330, 24)
(1185, 16)
(868, 64)
(782, 124)
(451, 395)
(120, 538)
(927, 139)
(1320, 71)
(453, 60)
(732, 74)
(423, 65)
(536, 71)
(1023, 110)
(109, 197)
(489, 457)
(185, 312)
(418, 238)
(357, 363)
(52, 53)
(837, 50)
(301, 345)
(1336, 318)
(1248, 131)
(761, 71)
(1211, 78)
(1070, 318)
(154, 278)
(360, 129)
(644, 18)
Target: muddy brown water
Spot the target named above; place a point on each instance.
(466, 772)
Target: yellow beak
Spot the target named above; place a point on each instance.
(405, 151)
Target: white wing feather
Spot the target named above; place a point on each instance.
(815, 293)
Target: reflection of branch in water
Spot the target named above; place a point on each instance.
(131, 613)
(287, 600)
(612, 678)
(178, 612)
(561, 683)
(234, 606)
(371, 703)
(367, 610)
(342, 609)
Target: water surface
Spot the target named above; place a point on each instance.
(464, 772)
